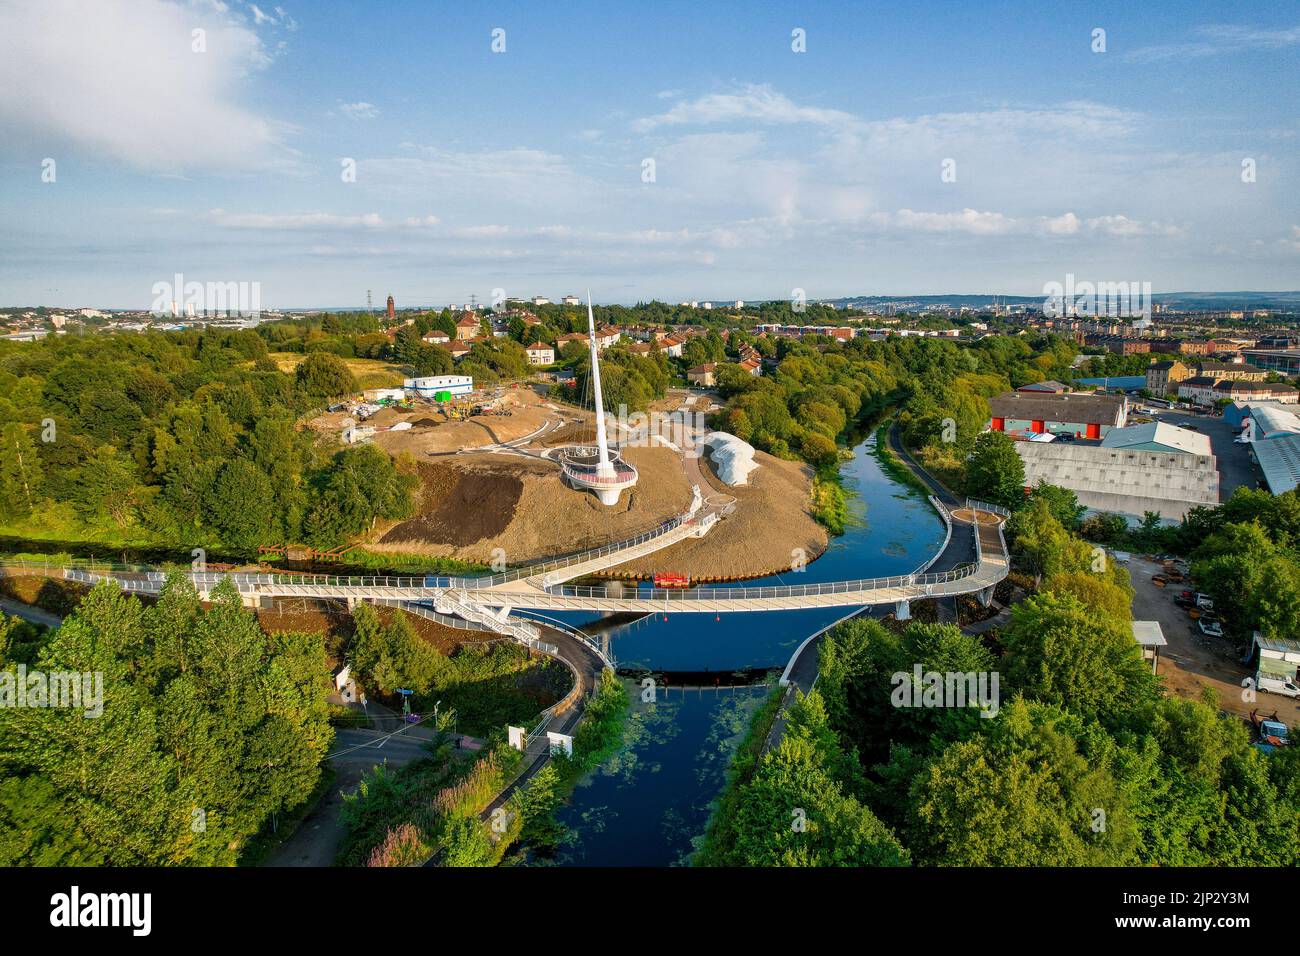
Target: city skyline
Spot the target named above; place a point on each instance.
(899, 154)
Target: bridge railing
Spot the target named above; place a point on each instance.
(975, 505)
(592, 644)
(144, 579)
(580, 557)
(947, 538)
(669, 595)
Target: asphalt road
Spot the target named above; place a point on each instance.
(317, 840)
(30, 613)
(1236, 469)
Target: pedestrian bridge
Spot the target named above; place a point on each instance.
(542, 586)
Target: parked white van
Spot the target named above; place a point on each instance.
(1284, 686)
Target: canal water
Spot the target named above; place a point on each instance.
(648, 804)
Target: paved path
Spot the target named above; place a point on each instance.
(318, 838)
(29, 612)
(801, 672)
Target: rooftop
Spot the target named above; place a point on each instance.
(1068, 407)
(1148, 634)
(1279, 459)
(1159, 433)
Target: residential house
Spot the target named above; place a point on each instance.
(703, 375)
(539, 353)
(1162, 376)
(468, 326)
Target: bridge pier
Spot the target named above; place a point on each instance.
(903, 611)
(986, 596)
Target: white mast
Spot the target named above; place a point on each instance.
(604, 469)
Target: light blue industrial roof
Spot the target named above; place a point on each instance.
(1279, 458)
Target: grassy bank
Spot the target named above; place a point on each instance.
(830, 502)
(893, 466)
(408, 563)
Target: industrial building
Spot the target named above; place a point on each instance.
(1275, 441)
(1152, 467)
(1158, 436)
(1079, 414)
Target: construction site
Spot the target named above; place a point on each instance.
(492, 488)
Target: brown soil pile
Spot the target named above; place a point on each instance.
(770, 529)
(544, 519)
(460, 506)
(570, 433)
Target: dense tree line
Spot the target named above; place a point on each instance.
(209, 728)
(188, 439)
(1086, 762)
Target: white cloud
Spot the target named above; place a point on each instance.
(754, 102)
(310, 220)
(359, 111)
(1063, 225)
(122, 79)
(1124, 226)
(1218, 39)
(970, 221)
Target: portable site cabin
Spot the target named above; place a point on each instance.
(1279, 658)
(437, 386)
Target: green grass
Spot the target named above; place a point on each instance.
(830, 502)
(381, 561)
(894, 467)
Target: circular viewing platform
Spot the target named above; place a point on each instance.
(581, 465)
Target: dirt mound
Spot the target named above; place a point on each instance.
(425, 423)
(464, 506)
(570, 433)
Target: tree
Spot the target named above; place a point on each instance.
(1061, 502)
(21, 476)
(322, 375)
(208, 728)
(995, 472)
(1045, 547)
(795, 812)
(391, 657)
(1022, 794)
(1063, 652)
(242, 506)
(105, 485)
(361, 486)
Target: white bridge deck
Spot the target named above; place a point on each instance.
(541, 586)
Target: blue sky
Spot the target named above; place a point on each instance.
(523, 170)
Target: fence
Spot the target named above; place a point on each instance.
(669, 595)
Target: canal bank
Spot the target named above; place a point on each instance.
(649, 804)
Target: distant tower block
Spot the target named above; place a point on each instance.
(391, 310)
